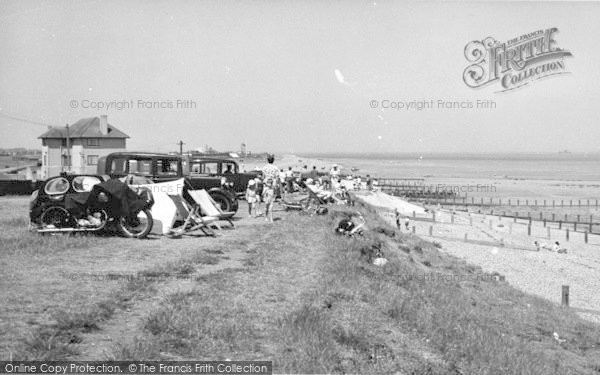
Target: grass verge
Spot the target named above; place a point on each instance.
(311, 302)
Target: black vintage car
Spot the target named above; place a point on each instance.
(165, 167)
(223, 168)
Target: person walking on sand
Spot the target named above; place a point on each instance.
(270, 184)
(397, 215)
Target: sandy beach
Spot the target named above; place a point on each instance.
(501, 245)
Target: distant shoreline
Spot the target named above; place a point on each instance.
(456, 155)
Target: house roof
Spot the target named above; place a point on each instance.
(84, 128)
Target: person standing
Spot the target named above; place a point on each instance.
(369, 183)
(314, 174)
(289, 178)
(334, 172)
(252, 198)
(270, 184)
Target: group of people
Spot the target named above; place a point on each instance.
(270, 182)
(399, 220)
(328, 187)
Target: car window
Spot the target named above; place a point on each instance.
(166, 167)
(118, 165)
(228, 167)
(205, 167)
(84, 183)
(59, 185)
(140, 166)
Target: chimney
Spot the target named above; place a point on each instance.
(104, 124)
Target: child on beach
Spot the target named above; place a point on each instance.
(557, 249)
(406, 222)
(268, 197)
(257, 211)
(252, 198)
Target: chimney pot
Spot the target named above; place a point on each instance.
(104, 124)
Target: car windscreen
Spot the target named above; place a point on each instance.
(84, 183)
(58, 185)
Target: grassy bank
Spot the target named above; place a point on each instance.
(311, 302)
(422, 312)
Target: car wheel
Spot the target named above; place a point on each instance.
(224, 202)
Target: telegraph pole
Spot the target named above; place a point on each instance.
(68, 151)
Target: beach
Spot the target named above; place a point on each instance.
(493, 246)
(501, 244)
(549, 177)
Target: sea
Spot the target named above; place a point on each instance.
(551, 176)
(562, 166)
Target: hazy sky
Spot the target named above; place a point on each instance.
(264, 72)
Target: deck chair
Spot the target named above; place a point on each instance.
(312, 196)
(209, 207)
(289, 205)
(309, 204)
(192, 219)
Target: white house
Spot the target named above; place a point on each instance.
(76, 148)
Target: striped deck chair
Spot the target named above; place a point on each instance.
(192, 219)
(209, 207)
(312, 196)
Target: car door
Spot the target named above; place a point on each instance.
(234, 176)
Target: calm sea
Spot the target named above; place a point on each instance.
(557, 166)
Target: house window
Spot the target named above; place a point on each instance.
(93, 142)
(92, 160)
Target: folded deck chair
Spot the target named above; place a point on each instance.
(209, 207)
(192, 218)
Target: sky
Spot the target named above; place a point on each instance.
(293, 76)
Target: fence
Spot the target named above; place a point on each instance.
(508, 202)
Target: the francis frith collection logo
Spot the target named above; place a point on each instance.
(514, 63)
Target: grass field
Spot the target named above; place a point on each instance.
(288, 291)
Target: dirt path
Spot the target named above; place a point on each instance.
(123, 327)
(234, 247)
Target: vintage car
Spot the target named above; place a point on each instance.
(222, 168)
(165, 167)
